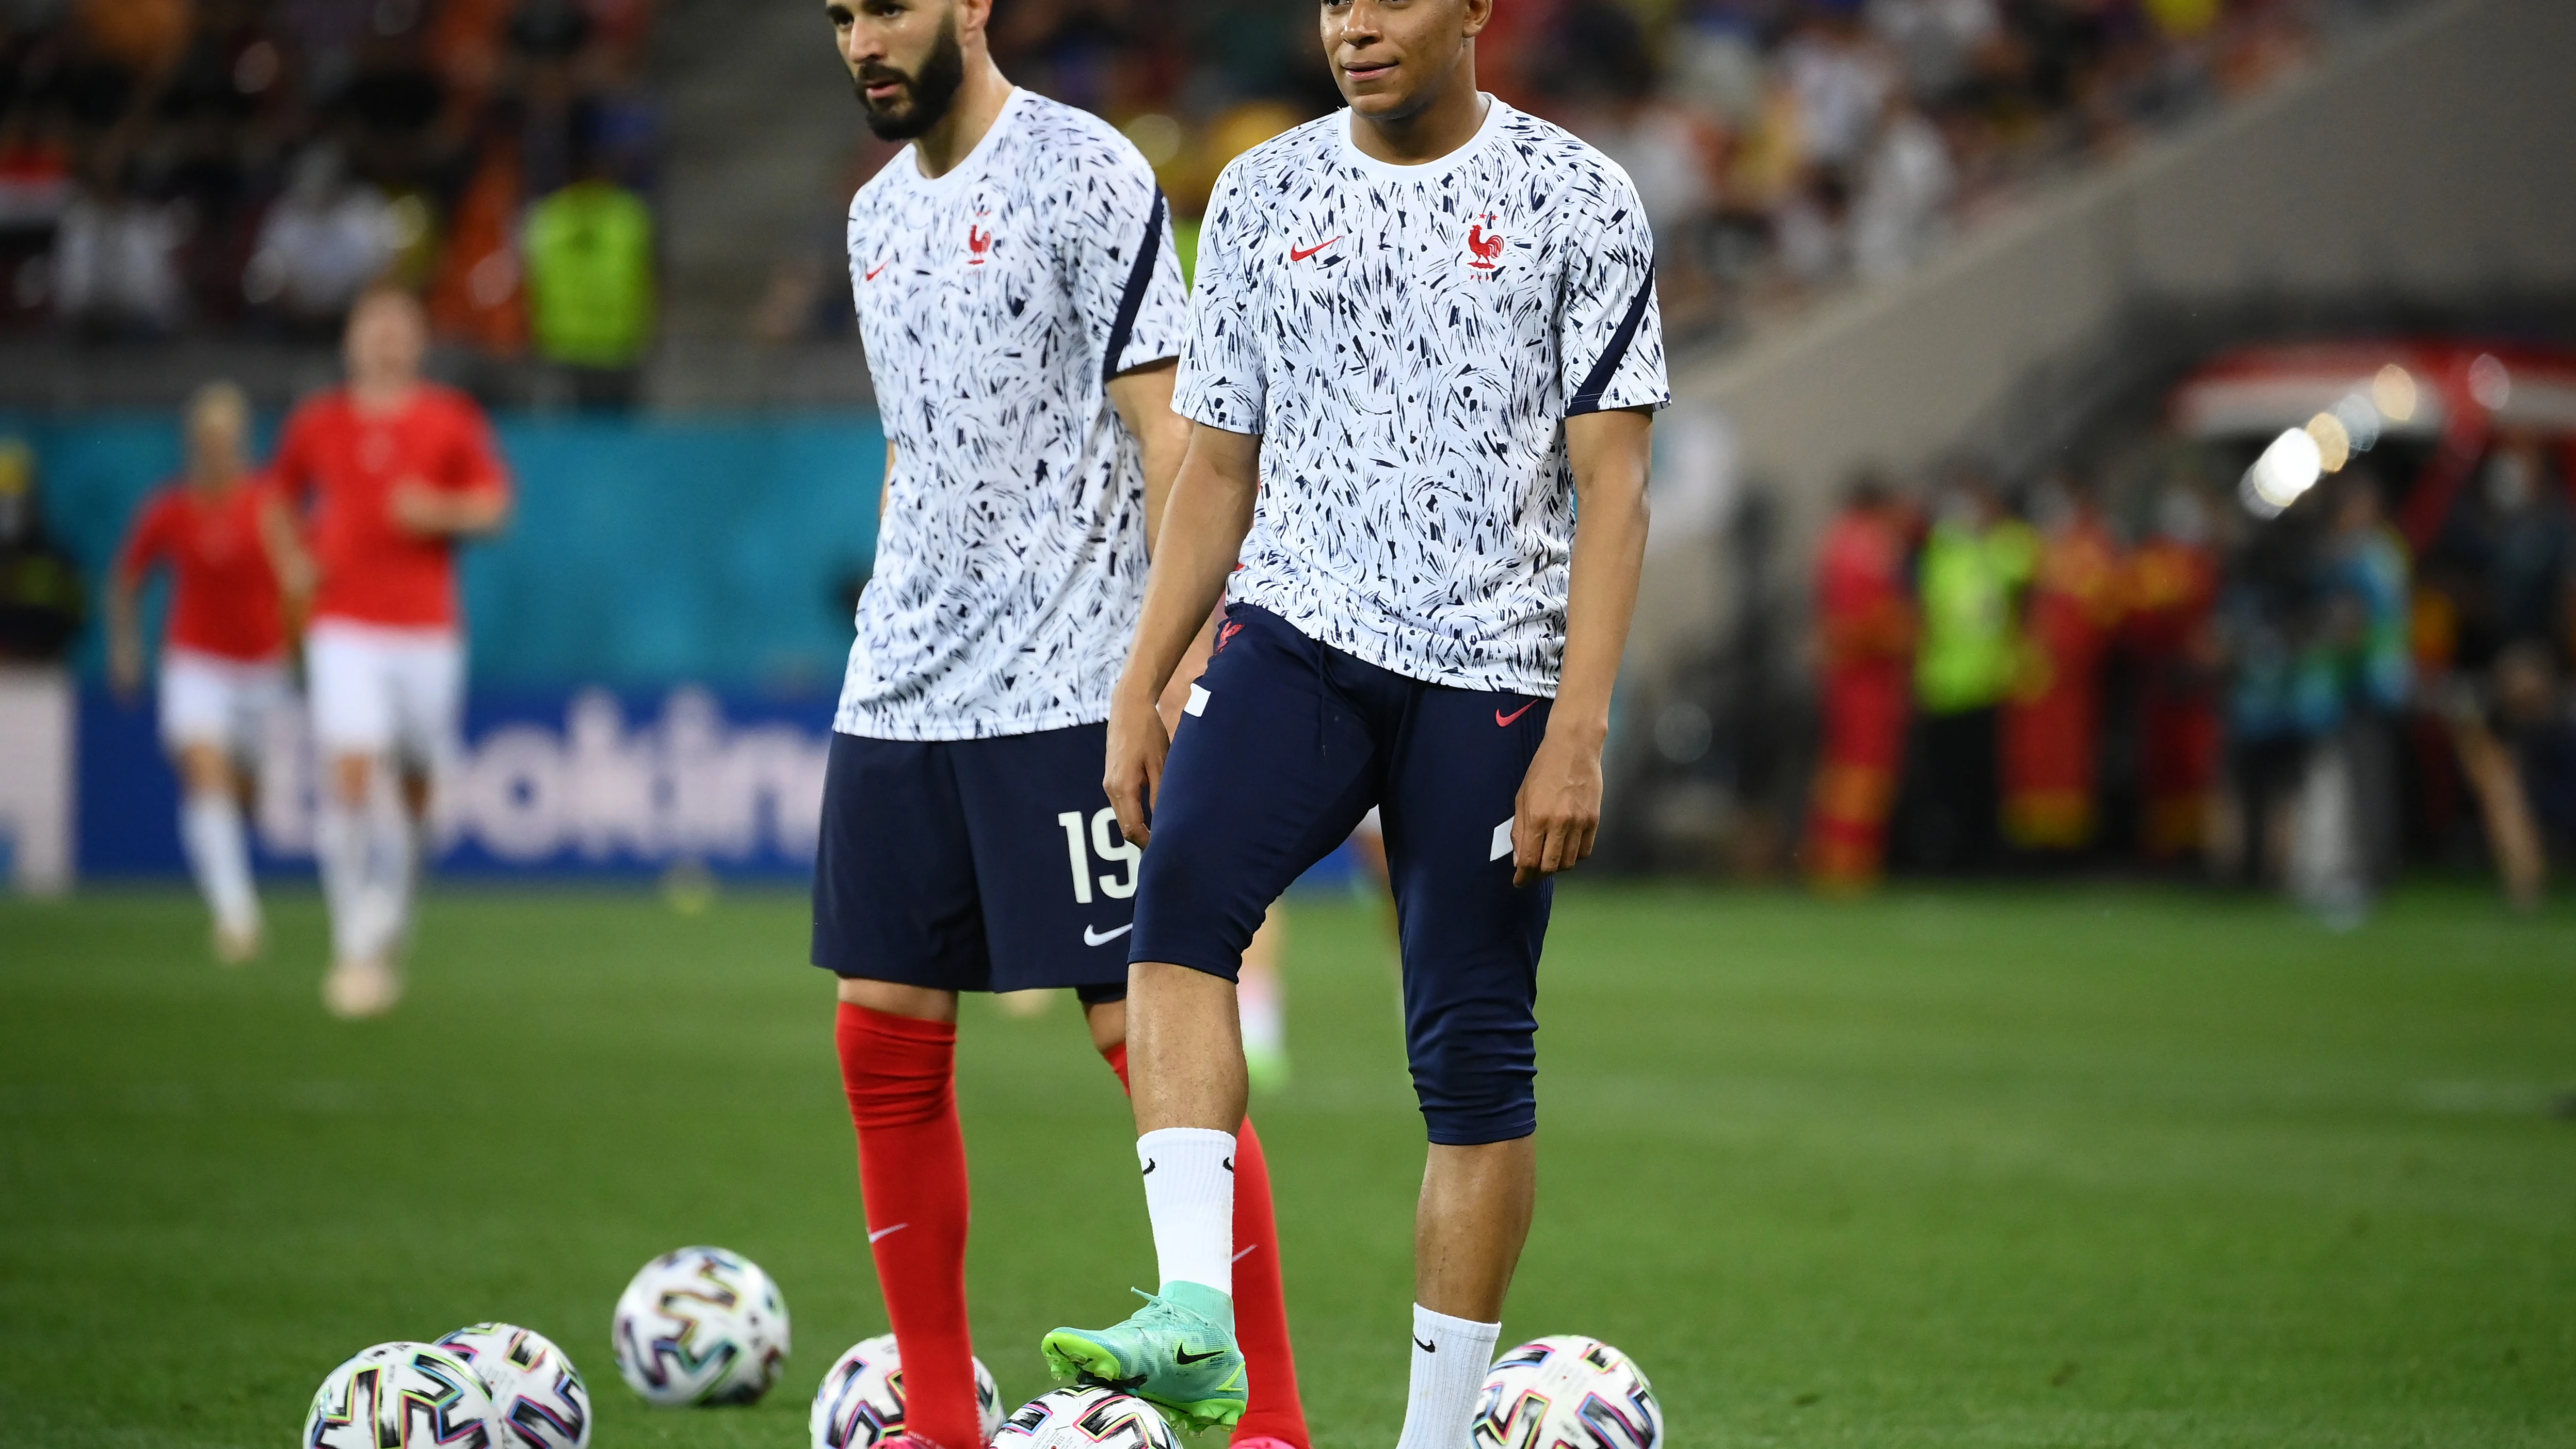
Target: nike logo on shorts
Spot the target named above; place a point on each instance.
(1505, 720)
(1091, 937)
(881, 1232)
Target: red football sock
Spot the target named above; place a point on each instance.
(901, 1076)
(1260, 1299)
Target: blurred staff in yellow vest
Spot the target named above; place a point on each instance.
(589, 251)
(1976, 563)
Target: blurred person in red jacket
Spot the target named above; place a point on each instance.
(2052, 721)
(386, 477)
(2171, 589)
(223, 658)
(1865, 613)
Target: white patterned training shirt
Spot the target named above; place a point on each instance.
(1408, 341)
(996, 302)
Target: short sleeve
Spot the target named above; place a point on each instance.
(148, 540)
(474, 459)
(1610, 336)
(1127, 273)
(1222, 383)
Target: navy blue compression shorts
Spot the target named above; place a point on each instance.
(1288, 742)
(974, 865)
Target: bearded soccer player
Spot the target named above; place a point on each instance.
(381, 481)
(1425, 327)
(1022, 307)
(223, 665)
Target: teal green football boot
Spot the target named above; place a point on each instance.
(1177, 1353)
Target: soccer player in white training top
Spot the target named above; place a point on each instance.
(1424, 327)
(1022, 307)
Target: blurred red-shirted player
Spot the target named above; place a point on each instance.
(1865, 611)
(381, 479)
(223, 661)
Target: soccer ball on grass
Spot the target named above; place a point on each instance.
(1086, 1416)
(861, 1400)
(402, 1393)
(1566, 1392)
(701, 1326)
(538, 1397)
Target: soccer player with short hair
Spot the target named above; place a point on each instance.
(380, 481)
(1021, 304)
(1424, 328)
(223, 662)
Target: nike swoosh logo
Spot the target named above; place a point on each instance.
(881, 1232)
(1149, 1168)
(1505, 720)
(1187, 1359)
(872, 271)
(1426, 1347)
(1295, 255)
(1091, 937)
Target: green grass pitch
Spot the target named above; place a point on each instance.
(2083, 1167)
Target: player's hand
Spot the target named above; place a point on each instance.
(418, 509)
(1133, 775)
(1558, 811)
(125, 669)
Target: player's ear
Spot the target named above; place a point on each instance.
(974, 15)
(1479, 14)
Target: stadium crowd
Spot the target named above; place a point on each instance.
(2307, 699)
(172, 167)
(1780, 146)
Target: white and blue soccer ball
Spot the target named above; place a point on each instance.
(1086, 1416)
(1567, 1392)
(701, 1326)
(402, 1393)
(861, 1399)
(538, 1397)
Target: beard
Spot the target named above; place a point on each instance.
(927, 92)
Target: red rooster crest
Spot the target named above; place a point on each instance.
(979, 240)
(1486, 245)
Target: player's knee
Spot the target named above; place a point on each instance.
(353, 778)
(1478, 1086)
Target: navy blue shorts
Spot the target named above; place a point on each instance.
(974, 865)
(1288, 747)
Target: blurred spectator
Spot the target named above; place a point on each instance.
(2171, 591)
(41, 599)
(320, 245)
(1977, 561)
(589, 251)
(2366, 603)
(1905, 187)
(2052, 721)
(2536, 714)
(1865, 617)
(116, 261)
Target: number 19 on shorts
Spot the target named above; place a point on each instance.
(1105, 841)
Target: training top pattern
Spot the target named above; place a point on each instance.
(996, 302)
(1408, 341)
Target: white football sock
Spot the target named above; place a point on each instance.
(340, 843)
(390, 851)
(210, 826)
(1450, 1359)
(1189, 1191)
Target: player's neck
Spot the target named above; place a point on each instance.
(383, 395)
(1424, 135)
(979, 102)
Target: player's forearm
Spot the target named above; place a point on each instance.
(465, 515)
(1609, 555)
(1202, 535)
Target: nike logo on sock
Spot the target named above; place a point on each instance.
(1229, 1164)
(1091, 937)
(881, 1232)
(1187, 1359)
(1149, 1168)
(1426, 1347)
(1248, 1252)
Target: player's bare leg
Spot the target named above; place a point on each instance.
(1470, 1224)
(218, 846)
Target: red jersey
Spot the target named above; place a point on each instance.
(339, 467)
(223, 597)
